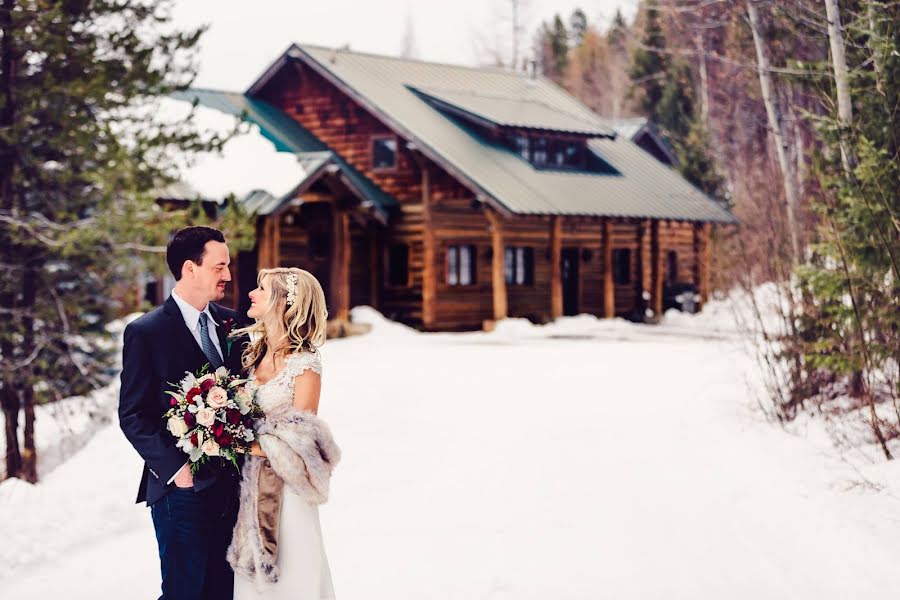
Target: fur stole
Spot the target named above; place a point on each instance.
(301, 454)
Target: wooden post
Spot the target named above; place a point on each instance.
(429, 273)
(646, 264)
(701, 260)
(375, 270)
(275, 257)
(340, 266)
(498, 275)
(656, 270)
(556, 299)
(609, 288)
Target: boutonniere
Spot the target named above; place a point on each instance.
(227, 326)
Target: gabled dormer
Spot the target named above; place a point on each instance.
(545, 137)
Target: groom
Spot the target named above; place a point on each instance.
(193, 515)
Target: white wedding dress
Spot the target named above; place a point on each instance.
(301, 551)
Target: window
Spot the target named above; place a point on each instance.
(460, 265)
(539, 157)
(319, 245)
(519, 265)
(384, 153)
(521, 144)
(398, 264)
(671, 267)
(622, 266)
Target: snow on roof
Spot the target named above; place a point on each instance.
(248, 161)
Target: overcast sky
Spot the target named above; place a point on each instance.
(245, 37)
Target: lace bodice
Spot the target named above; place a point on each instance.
(279, 391)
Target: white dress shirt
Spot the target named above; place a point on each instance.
(191, 318)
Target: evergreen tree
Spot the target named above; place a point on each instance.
(577, 27)
(852, 326)
(552, 49)
(81, 153)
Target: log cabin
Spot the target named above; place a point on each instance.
(449, 197)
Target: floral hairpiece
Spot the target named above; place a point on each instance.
(292, 289)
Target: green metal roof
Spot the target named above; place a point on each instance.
(386, 86)
(288, 136)
(522, 111)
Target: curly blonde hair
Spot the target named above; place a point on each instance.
(298, 327)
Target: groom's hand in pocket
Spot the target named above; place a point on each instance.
(183, 478)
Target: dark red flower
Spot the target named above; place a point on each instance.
(227, 325)
(173, 401)
(218, 428)
(248, 422)
(225, 439)
(207, 384)
(194, 391)
(189, 419)
(233, 415)
(194, 439)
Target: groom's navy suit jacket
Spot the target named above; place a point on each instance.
(158, 349)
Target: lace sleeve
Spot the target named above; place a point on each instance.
(300, 362)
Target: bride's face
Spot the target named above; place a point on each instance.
(259, 299)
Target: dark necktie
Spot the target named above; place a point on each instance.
(209, 349)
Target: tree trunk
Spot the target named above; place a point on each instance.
(774, 117)
(9, 399)
(704, 81)
(28, 470)
(839, 63)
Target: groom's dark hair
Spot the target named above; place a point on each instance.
(190, 244)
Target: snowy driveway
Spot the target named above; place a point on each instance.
(587, 459)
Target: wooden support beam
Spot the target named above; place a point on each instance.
(340, 267)
(656, 276)
(701, 259)
(609, 288)
(429, 251)
(556, 297)
(375, 270)
(275, 257)
(498, 274)
(645, 271)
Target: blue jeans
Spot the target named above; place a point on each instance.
(193, 530)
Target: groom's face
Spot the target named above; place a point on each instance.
(212, 274)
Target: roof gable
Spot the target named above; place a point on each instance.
(392, 88)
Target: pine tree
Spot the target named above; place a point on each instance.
(577, 27)
(80, 156)
(852, 326)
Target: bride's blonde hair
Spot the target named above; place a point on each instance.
(299, 327)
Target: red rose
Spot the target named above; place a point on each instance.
(194, 439)
(207, 384)
(218, 428)
(233, 415)
(225, 439)
(189, 419)
(248, 422)
(173, 401)
(194, 391)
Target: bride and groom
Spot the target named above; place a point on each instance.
(262, 523)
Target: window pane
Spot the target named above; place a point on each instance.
(520, 266)
(622, 266)
(452, 266)
(509, 264)
(529, 266)
(539, 156)
(465, 265)
(384, 153)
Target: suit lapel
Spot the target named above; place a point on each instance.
(183, 335)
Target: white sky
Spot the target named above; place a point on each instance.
(244, 38)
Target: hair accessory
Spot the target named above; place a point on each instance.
(292, 289)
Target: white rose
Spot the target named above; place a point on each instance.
(210, 448)
(221, 373)
(206, 417)
(216, 397)
(177, 426)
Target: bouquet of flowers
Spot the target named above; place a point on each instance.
(211, 414)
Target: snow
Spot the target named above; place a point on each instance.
(586, 458)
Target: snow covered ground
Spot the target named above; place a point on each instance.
(582, 459)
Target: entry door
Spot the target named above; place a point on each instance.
(569, 270)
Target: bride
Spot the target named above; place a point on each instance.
(277, 549)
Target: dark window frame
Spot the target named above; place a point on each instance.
(518, 260)
(384, 169)
(453, 265)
